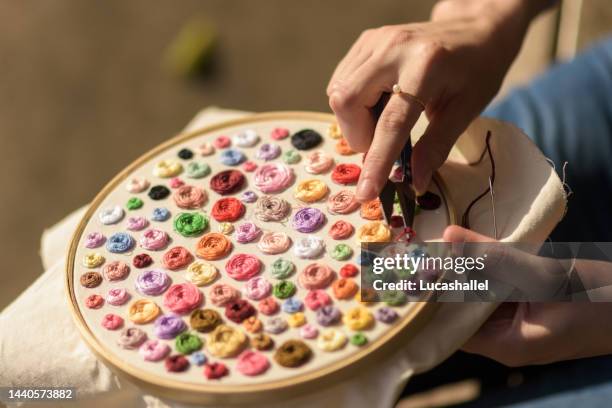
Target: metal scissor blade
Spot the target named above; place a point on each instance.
(387, 196)
(407, 200)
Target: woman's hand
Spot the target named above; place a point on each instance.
(453, 64)
(527, 333)
(519, 334)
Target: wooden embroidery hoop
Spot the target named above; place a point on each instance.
(273, 391)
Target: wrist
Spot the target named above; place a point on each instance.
(510, 20)
(518, 13)
(506, 22)
(497, 11)
(524, 9)
(501, 20)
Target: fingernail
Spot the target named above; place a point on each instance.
(366, 191)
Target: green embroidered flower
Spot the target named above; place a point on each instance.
(134, 203)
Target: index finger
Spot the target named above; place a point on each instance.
(352, 98)
(391, 134)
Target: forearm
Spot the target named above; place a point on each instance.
(506, 17)
(523, 10)
(504, 21)
(535, 7)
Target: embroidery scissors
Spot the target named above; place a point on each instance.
(403, 188)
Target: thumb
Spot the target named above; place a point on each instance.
(457, 234)
(516, 265)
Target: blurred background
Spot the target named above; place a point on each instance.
(88, 86)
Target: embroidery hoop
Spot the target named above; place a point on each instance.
(272, 391)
